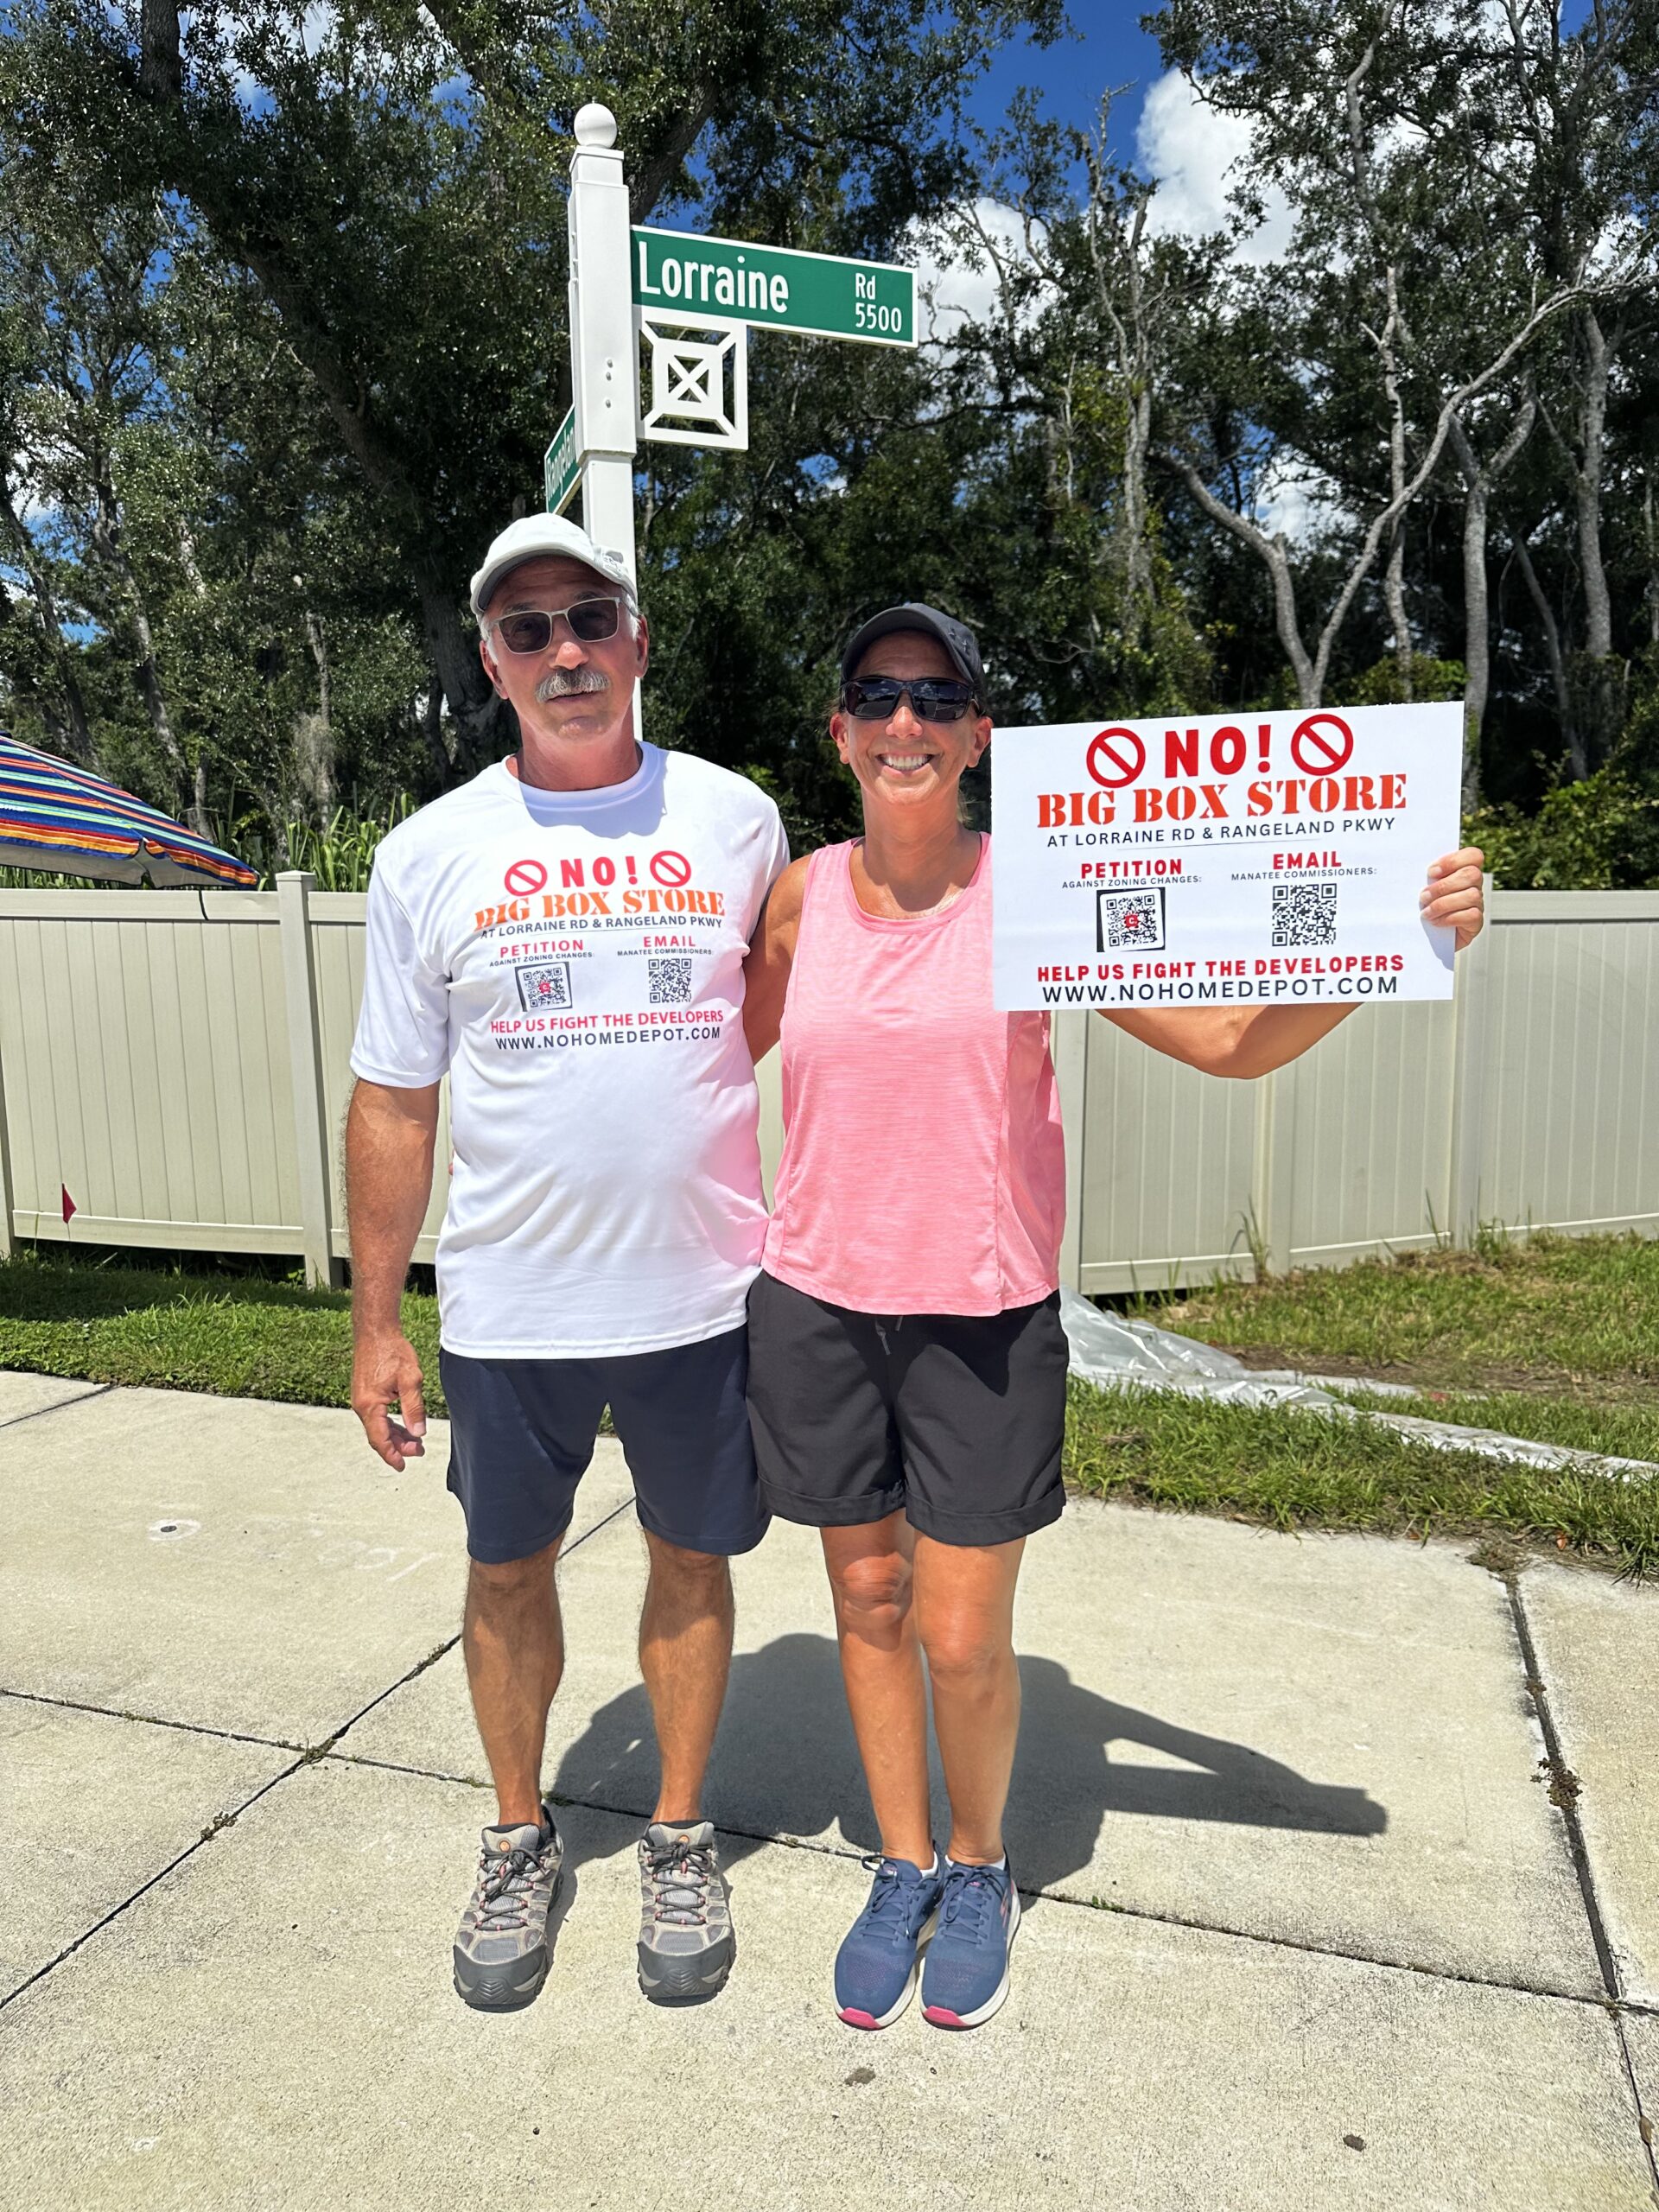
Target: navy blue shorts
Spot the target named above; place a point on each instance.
(522, 1431)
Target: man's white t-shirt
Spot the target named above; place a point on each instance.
(573, 960)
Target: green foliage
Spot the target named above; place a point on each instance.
(282, 330)
(340, 852)
(1599, 835)
(1379, 685)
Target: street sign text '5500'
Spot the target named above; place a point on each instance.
(683, 274)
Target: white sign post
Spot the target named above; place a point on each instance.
(691, 299)
(1256, 859)
(604, 350)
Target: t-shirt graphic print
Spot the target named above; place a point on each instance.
(574, 961)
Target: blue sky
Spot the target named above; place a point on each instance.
(1110, 49)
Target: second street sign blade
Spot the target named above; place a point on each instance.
(684, 274)
(562, 467)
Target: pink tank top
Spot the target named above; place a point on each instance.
(924, 1169)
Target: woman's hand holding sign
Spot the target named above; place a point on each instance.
(1244, 1042)
(1453, 897)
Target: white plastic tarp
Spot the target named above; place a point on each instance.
(1118, 1355)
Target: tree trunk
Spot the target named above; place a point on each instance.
(1551, 629)
(313, 732)
(486, 726)
(1477, 622)
(69, 725)
(1587, 491)
(432, 731)
(1393, 574)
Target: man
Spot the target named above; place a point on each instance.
(564, 936)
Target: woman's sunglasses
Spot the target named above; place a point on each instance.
(932, 698)
(531, 630)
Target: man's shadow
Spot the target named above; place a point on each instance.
(785, 1765)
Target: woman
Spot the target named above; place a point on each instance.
(907, 1362)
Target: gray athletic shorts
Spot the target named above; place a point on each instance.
(957, 1420)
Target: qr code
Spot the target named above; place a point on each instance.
(670, 982)
(1303, 913)
(1129, 920)
(545, 986)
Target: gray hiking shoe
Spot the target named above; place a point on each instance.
(501, 1957)
(686, 1943)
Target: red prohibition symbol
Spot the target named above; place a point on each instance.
(671, 868)
(525, 876)
(1117, 757)
(1320, 743)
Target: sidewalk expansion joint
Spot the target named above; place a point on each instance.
(1611, 2006)
(1565, 1790)
(307, 1755)
(214, 1827)
(154, 1721)
(98, 1390)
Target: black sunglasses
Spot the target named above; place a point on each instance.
(531, 630)
(932, 698)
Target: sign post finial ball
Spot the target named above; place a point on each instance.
(595, 125)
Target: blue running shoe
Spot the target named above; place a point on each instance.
(966, 1977)
(875, 1966)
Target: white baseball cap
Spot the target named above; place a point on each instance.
(544, 533)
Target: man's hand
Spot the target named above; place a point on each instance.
(1453, 897)
(386, 1373)
(389, 1137)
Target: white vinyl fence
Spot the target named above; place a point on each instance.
(174, 1068)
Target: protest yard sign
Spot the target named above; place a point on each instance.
(1252, 860)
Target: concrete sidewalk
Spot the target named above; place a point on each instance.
(1341, 1863)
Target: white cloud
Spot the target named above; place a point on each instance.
(1296, 501)
(1199, 157)
(960, 273)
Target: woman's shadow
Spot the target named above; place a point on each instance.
(785, 1765)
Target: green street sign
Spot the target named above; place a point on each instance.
(683, 274)
(562, 467)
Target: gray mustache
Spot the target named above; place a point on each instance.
(563, 682)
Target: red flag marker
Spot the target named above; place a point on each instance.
(69, 1207)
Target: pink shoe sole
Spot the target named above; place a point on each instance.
(856, 2019)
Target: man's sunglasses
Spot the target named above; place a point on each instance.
(531, 630)
(932, 698)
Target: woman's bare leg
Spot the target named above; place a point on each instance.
(963, 1612)
(870, 1577)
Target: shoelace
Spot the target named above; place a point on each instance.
(888, 1908)
(969, 1895)
(503, 1889)
(680, 1879)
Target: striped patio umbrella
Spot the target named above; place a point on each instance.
(54, 815)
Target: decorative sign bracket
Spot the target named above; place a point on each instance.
(690, 360)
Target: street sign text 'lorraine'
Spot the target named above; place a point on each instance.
(686, 273)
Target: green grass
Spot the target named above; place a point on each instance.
(1550, 1310)
(1301, 1470)
(179, 1329)
(187, 1327)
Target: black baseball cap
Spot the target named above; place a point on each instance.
(956, 638)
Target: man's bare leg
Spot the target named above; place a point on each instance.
(686, 1944)
(685, 1656)
(514, 1642)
